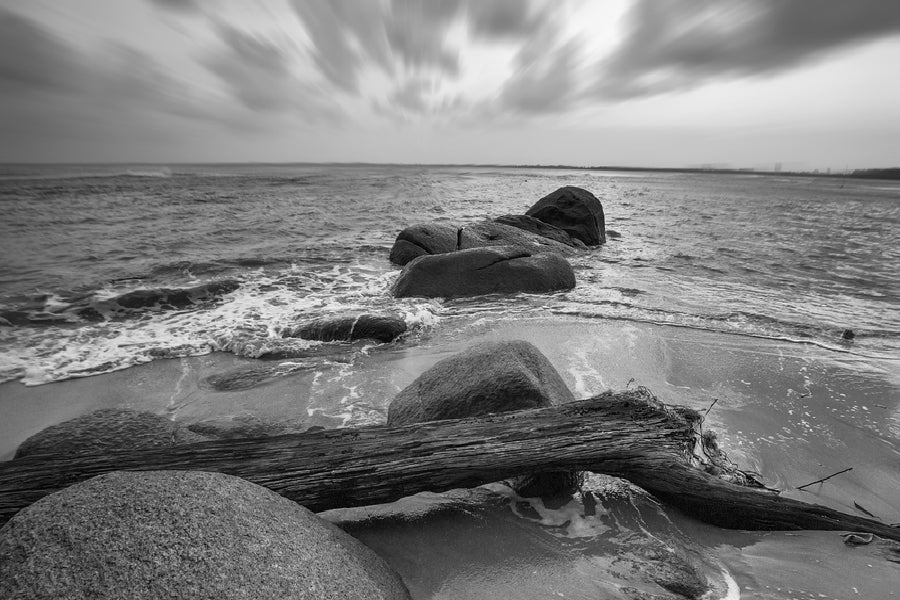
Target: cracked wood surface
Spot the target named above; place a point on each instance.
(622, 434)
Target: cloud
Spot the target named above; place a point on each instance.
(57, 95)
(253, 69)
(258, 73)
(31, 59)
(412, 35)
(544, 83)
(504, 19)
(417, 30)
(411, 96)
(345, 35)
(178, 5)
(680, 44)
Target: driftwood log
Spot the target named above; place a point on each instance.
(627, 434)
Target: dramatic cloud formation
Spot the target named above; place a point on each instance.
(31, 59)
(404, 38)
(353, 74)
(680, 44)
(259, 74)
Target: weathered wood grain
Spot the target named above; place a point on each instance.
(622, 434)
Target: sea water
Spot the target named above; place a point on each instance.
(792, 258)
(726, 293)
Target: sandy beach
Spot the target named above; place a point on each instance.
(791, 412)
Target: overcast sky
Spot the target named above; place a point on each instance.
(747, 83)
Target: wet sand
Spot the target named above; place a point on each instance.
(792, 412)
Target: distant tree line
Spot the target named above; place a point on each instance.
(892, 173)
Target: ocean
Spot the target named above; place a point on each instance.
(790, 258)
(714, 290)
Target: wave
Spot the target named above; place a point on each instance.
(164, 172)
(65, 172)
(743, 324)
(47, 310)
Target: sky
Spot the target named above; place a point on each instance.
(809, 84)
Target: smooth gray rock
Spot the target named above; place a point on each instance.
(538, 227)
(489, 233)
(486, 378)
(422, 240)
(108, 429)
(490, 270)
(490, 377)
(183, 534)
(575, 210)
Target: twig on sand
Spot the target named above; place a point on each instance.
(824, 478)
(863, 509)
(710, 407)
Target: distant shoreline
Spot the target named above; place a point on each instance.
(891, 173)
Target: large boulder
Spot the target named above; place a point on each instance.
(382, 328)
(489, 233)
(489, 270)
(183, 534)
(422, 240)
(108, 429)
(490, 377)
(538, 227)
(486, 378)
(575, 210)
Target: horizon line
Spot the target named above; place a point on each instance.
(703, 168)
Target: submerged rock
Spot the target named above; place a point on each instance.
(178, 298)
(183, 534)
(574, 210)
(382, 328)
(495, 269)
(488, 378)
(538, 227)
(159, 298)
(422, 240)
(108, 429)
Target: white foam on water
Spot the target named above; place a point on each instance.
(570, 515)
(247, 322)
(587, 377)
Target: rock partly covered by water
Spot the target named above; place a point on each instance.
(382, 328)
(574, 210)
(540, 228)
(158, 299)
(490, 270)
(489, 233)
(108, 429)
(183, 534)
(490, 377)
(567, 218)
(422, 240)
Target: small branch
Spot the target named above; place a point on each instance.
(710, 407)
(824, 478)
